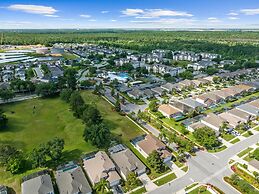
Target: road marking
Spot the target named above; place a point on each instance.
(192, 180)
(215, 156)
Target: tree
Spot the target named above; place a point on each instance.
(6, 94)
(70, 77)
(101, 186)
(99, 135)
(112, 92)
(38, 156)
(156, 162)
(117, 106)
(256, 154)
(46, 89)
(153, 106)
(55, 148)
(206, 137)
(77, 104)
(132, 181)
(16, 164)
(3, 120)
(186, 75)
(91, 115)
(65, 94)
(6, 153)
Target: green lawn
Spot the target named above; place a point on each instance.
(244, 152)
(227, 136)
(235, 140)
(247, 134)
(52, 118)
(140, 191)
(199, 190)
(69, 56)
(118, 124)
(165, 179)
(219, 149)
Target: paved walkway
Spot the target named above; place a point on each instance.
(149, 185)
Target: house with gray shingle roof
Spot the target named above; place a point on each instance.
(126, 161)
(71, 180)
(38, 185)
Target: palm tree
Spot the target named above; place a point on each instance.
(101, 186)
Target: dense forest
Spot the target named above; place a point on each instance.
(230, 44)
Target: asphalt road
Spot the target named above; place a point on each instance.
(208, 168)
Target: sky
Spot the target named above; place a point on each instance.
(136, 14)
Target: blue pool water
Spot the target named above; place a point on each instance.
(123, 75)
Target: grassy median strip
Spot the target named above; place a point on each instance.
(165, 179)
(139, 191)
(244, 152)
(235, 141)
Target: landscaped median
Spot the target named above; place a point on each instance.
(245, 176)
(235, 140)
(244, 152)
(139, 191)
(241, 185)
(165, 179)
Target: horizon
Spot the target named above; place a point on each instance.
(147, 14)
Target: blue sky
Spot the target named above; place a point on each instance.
(129, 14)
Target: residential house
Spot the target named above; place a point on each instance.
(135, 93)
(150, 144)
(214, 122)
(169, 111)
(254, 103)
(99, 166)
(249, 109)
(243, 116)
(192, 127)
(126, 161)
(168, 87)
(187, 83)
(37, 183)
(187, 105)
(231, 120)
(209, 55)
(209, 99)
(158, 91)
(71, 180)
(204, 64)
(148, 93)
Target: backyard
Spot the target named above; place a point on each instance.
(28, 127)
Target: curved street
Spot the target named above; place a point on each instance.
(208, 168)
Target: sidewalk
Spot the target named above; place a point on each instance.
(149, 185)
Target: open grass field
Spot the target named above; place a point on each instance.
(52, 118)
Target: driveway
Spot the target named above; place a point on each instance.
(149, 185)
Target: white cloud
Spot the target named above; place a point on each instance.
(34, 9)
(53, 16)
(92, 20)
(85, 16)
(233, 18)
(165, 21)
(233, 14)
(132, 12)
(250, 11)
(113, 20)
(213, 20)
(154, 13)
(105, 11)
